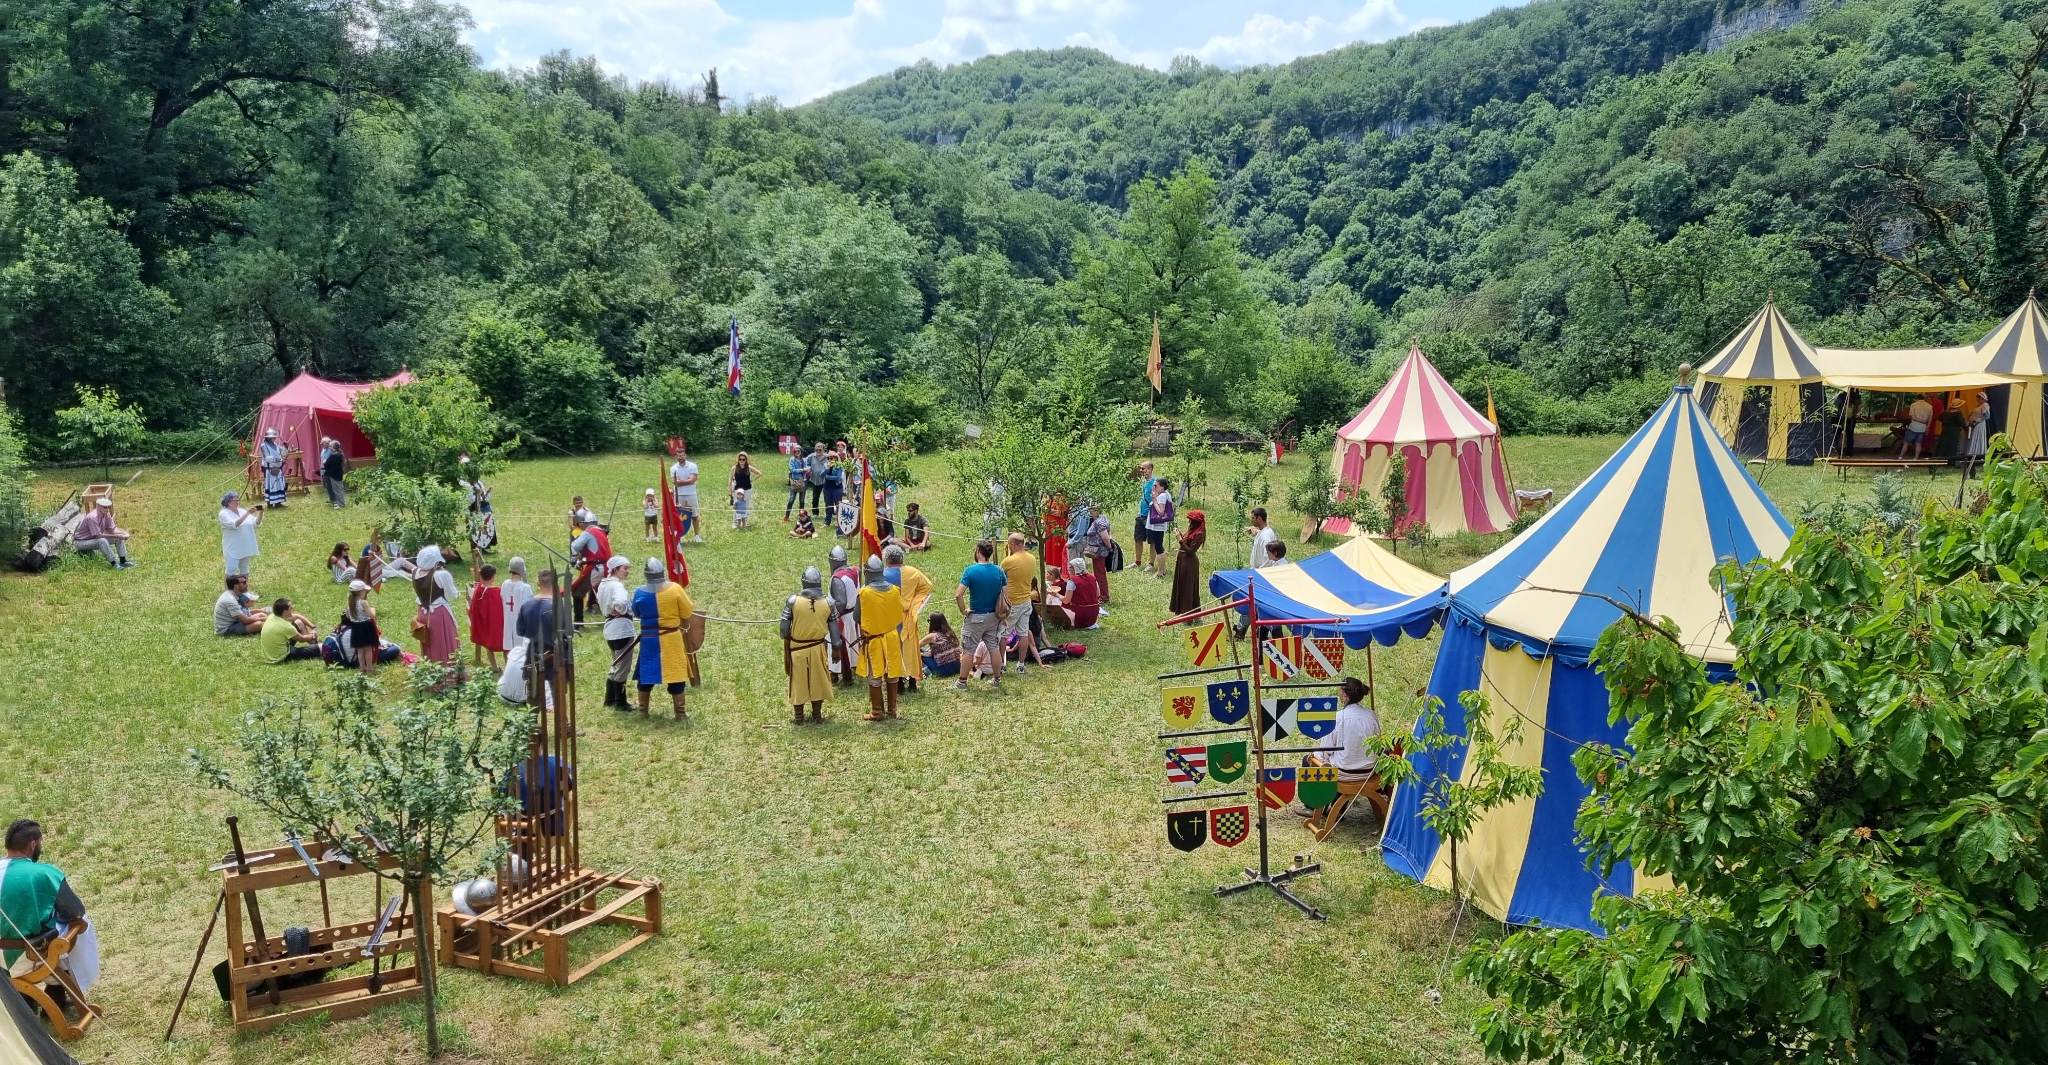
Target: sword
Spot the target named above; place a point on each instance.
(312, 866)
(383, 921)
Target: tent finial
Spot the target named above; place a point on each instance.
(1684, 375)
(1770, 296)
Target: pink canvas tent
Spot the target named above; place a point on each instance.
(308, 408)
(1457, 477)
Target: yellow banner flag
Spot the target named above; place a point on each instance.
(1155, 365)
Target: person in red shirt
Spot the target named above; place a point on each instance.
(590, 549)
(1080, 601)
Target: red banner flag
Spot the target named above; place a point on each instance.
(672, 534)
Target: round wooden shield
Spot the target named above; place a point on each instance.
(693, 633)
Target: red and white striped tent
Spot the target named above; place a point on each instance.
(1457, 477)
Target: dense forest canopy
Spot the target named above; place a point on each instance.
(1562, 200)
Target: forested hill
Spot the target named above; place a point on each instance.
(1586, 190)
(1563, 200)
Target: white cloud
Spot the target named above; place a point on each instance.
(1382, 20)
(1026, 10)
(1264, 39)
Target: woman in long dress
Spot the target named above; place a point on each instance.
(487, 617)
(1187, 566)
(435, 588)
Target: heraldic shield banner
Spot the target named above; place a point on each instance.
(1227, 761)
(1187, 830)
(1229, 825)
(1316, 785)
(1276, 786)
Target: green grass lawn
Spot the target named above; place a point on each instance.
(986, 880)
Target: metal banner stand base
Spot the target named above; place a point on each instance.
(1277, 881)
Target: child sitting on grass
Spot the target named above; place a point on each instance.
(803, 529)
(940, 649)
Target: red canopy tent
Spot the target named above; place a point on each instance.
(308, 408)
(1457, 477)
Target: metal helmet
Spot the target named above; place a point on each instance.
(656, 572)
(873, 568)
(812, 579)
(837, 556)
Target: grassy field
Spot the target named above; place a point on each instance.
(985, 880)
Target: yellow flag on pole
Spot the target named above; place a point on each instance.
(870, 528)
(1155, 366)
(1489, 407)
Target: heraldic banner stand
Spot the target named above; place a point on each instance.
(1231, 704)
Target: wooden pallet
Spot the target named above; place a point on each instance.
(506, 938)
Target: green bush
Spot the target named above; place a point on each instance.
(919, 408)
(423, 429)
(417, 510)
(15, 513)
(557, 391)
(803, 416)
(676, 402)
(177, 445)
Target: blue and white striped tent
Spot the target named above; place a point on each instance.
(1646, 529)
(1377, 594)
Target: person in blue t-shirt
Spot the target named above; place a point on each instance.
(983, 599)
(1138, 536)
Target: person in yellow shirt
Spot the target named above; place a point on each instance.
(916, 589)
(806, 619)
(664, 610)
(880, 655)
(1020, 566)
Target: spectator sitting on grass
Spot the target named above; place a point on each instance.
(231, 613)
(287, 635)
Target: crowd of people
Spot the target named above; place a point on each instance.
(860, 618)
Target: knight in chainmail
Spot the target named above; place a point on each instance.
(808, 619)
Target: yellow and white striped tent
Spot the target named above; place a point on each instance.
(1647, 529)
(2010, 364)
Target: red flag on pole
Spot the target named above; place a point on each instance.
(672, 533)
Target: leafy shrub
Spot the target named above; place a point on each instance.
(675, 402)
(556, 390)
(423, 429)
(804, 416)
(100, 427)
(920, 411)
(15, 514)
(176, 445)
(417, 510)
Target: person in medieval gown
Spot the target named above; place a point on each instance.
(916, 590)
(807, 619)
(435, 588)
(664, 610)
(879, 657)
(483, 524)
(270, 456)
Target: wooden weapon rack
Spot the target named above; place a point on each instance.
(259, 967)
(546, 897)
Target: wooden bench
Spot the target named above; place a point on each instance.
(1375, 793)
(1844, 465)
(48, 967)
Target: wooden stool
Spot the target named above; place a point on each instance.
(1371, 789)
(49, 959)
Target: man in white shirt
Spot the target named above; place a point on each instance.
(683, 475)
(1919, 420)
(621, 629)
(1262, 534)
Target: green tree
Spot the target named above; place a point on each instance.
(423, 429)
(416, 510)
(676, 402)
(988, 324)
(74, 310)
(424, 776)
(1453, 804)
(1249, 486)
(1169, 262)
(100, 426)
(1852, 827)
(1192, 452)
(1394, 492)
(1313, 494)
(15, 477)
(835, 276)
(1022, 464)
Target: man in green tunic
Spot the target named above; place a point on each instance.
(36, 903)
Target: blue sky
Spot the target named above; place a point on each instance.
(798, 50)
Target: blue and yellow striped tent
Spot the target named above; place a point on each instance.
(1377, 594)
(1647, 529)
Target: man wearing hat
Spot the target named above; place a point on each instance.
(270, 456)
(880, 655)
(97, 532)
(615, 603)
(807, 619)
(664, 610)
